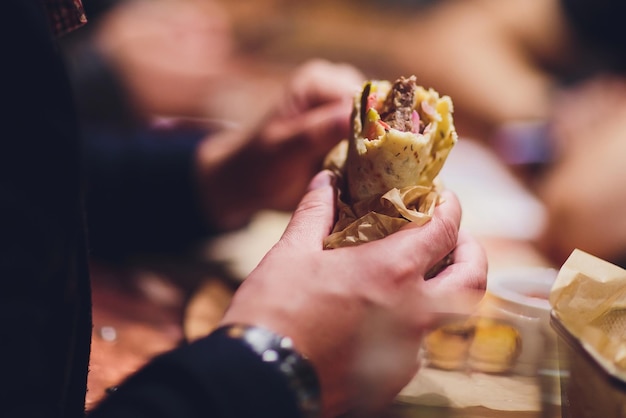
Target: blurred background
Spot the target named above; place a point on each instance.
(537, 86)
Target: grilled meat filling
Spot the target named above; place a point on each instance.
(398, 107)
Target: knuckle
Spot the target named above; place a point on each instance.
(478, 277)
(450, 232)
(399, 269)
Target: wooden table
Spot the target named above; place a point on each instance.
(138, 312)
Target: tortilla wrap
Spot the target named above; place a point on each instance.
(401, 136)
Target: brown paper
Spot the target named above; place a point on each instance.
(375, 218)
(372, 219)
(589, 300)
(435, 387)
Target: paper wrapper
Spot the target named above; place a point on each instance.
(589, 300)
(433, 387)
(387, 177)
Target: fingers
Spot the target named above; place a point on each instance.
(316, 110)
(324, 126)
(460, 287)
(314, 217)
(318, 128)
(421, 247)
(318, 82)
(468, 271)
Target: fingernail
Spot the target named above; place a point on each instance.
(322, 179)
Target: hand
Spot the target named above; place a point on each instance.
(358, 313)
(270, 165)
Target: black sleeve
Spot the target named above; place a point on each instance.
(215, 377)
(141, 195)
(44, 283)
(141, 189)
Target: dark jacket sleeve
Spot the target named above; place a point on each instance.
(214, 377)
(44, 283)
(141, 195)
(141, 187)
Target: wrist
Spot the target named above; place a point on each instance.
(278, 351)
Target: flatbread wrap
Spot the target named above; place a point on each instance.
(401, 136)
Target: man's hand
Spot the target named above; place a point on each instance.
(358, 312)
(270, 165)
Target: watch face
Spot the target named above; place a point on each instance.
(279, 351)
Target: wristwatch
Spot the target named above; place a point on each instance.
(279, 351)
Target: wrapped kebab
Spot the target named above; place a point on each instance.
(401, 136)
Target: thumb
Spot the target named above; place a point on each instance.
(314, 217)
